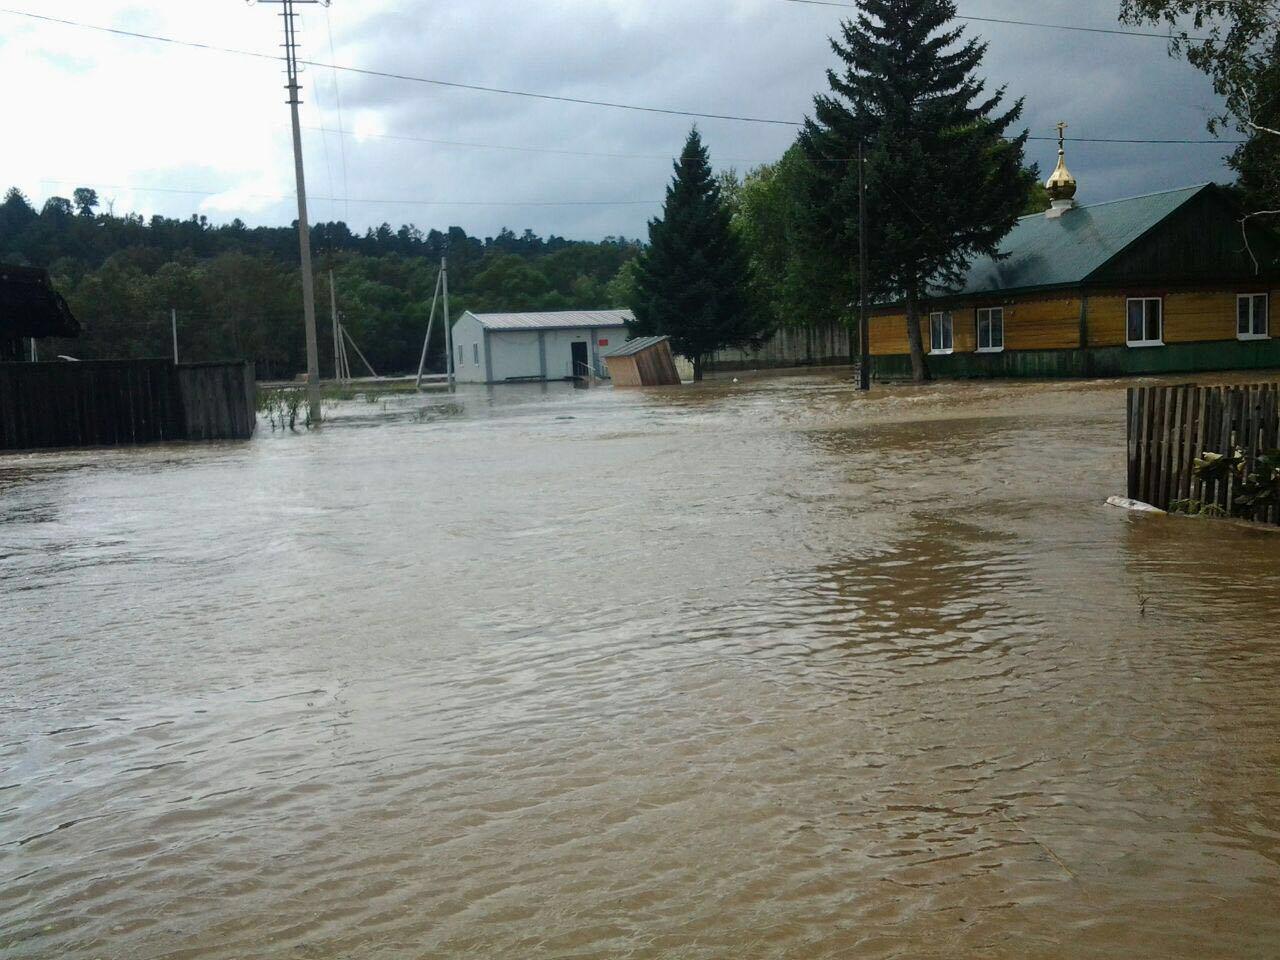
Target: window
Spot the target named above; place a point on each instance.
(475, 353)
(1146, 327)
(461, 356)
(991, 329)
(1251, 316)
(941, 333)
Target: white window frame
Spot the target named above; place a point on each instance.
(1253, 299)
(475, 353)
(977, 329)
(943, 316)
(1144, 342)
(462, 354)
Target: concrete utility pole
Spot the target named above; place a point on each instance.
(173, 316)
(289, 16)
(333, 313)
(448, 325)
(864, 346)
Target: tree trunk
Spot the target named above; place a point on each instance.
(697, 368)
(919, 366)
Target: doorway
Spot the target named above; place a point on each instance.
(580, 365)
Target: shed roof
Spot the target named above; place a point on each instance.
(632, 347)
(1044, 252)
(557, 320)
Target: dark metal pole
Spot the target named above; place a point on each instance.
(864, 366)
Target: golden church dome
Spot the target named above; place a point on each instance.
(1061, 185)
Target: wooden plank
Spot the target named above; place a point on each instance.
(1185, 444)
(1202, 416)
(1175, 444)
(1230, 434)
(1131, 443)
(1221, 428)
(1162, 449)
(1144, 444)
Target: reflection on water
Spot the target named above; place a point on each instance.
(754, 670)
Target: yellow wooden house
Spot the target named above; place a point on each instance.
(1160, 283)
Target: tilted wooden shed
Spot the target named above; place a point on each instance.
(643, 362)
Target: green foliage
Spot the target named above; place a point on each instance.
(281, 407)
(796, 277)
(1218, 466)
(1037, 199)
(1234, 45)
(86, 200)
(1257, 160)
(1253, 489)
(946, 180)
(237, 290)
(693, 279)
(1240, 53)
(1196, 508)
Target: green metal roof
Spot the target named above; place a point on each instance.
(1044, 252)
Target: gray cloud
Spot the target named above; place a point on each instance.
(758, 57)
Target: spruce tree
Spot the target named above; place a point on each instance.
(692, 281)
(945, 181)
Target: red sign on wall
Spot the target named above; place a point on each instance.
(604, 343)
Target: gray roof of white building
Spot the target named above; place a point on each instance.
(556, 320)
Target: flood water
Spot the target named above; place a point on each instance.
(748, 670)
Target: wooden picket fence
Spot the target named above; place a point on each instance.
(1170, 427)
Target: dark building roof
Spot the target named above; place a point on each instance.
(632, 347)
(1187, 234)
(30, 307)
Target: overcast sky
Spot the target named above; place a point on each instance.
(120, 115)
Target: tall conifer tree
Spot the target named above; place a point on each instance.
(945, 181)
(692, 281)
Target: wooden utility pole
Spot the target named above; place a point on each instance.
(289, 16)
(864, 345)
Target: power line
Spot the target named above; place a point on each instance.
(403, 76)
(367, 200)
(668, 157)
(1113, 31)
(556, 151)
(546, 96)
(337, 94)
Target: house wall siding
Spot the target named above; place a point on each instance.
(1053, 323)
(1041, 324)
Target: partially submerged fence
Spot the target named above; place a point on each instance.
(1172, 427)
(110, 402)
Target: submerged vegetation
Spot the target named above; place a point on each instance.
(280, 406)
(1256, 486)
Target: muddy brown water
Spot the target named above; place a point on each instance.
(764, 669)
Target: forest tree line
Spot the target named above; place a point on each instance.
(237, 289)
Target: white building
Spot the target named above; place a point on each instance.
(496, 347)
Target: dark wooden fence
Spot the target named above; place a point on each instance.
(1170, 427)
(109, 402)
(219, 400)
